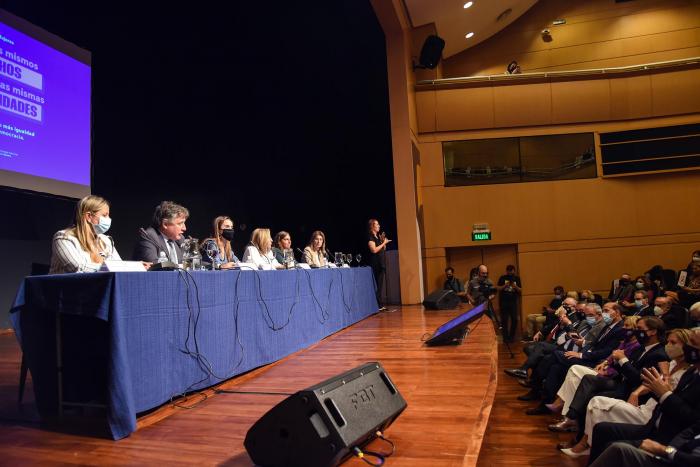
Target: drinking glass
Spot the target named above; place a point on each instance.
(348, 259)
(358, 258)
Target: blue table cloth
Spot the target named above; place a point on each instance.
(157, 335)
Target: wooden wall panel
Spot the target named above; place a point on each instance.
(464, 108)
(510, 101)
(431, 161)
(677, 92)
(630, 97)
(596, 32)
(580, 101)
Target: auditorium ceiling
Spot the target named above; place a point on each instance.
(453, 22)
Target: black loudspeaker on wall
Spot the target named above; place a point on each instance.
(441, 300)
(431, 52)
(320, 425)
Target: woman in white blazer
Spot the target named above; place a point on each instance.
(259, 251)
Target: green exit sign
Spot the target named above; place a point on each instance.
(481, 236)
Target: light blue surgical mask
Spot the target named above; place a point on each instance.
(590, 320)
(607, 318)
(103, 225)
(639, 303)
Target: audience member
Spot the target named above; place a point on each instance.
(677, 409)
(689, 293)
(672, 316)
(589, 356)
(650, 353)
(454, 284)
(607, 409)
(622, 289)
(536, 320)
(694, 315)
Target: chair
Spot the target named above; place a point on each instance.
(38, 269)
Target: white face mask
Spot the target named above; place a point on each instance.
(658, 311)
(639, 303)
(674, 351)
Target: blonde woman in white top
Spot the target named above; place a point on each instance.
(84, 247)
(259, 252)
(608, 409)
(315, 252)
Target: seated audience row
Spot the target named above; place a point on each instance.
(619, 373)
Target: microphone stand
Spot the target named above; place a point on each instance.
(497, 324)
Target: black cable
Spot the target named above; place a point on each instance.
(324, 313)
(348, 309)
(271, 323)
(256, 393)
(359, 453)
(380, 435)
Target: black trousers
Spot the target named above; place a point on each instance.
(589, 387)
(605, 433)
(379, 274)
(535, 352)
(509, 319)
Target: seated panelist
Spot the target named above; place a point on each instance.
(259, 251)
(164, 234)
(283, 243)
(217, 248)
(315, 252)
(84, 246)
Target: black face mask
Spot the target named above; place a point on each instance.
(629, 334)
(642, 337)
(449, 277)
(580, 315)
(624, 281)
(227, 234)
(691, 354)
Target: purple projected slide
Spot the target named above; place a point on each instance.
(44, 110)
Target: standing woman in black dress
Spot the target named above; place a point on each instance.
(376, 242)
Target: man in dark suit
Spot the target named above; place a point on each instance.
(683, 450)
(650, 334)
(673, 316)
(589, 355)
(164, 234)
(677, 409)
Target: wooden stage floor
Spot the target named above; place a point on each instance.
(449, 390)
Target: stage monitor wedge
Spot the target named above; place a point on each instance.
(453, 331)
(318, 427)
(45, 111)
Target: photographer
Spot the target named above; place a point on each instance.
(509, 286)
(481, 289)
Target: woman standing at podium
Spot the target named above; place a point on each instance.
(218, 247)
(376, 243)
(84, 246)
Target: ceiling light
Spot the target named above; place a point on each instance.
(468, 4)
(469, 35)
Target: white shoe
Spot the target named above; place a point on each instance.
(570, 452)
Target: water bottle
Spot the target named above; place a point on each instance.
(162, 258)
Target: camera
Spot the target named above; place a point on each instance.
(487, 289)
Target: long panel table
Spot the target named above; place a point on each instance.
(135, 340)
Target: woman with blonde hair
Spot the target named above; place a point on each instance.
(608, 409)
(218, 247)
(259, 251)
(84, 246)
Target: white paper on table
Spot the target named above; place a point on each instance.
(112, 265)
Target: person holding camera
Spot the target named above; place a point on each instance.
(509, 286)
(481, 289)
